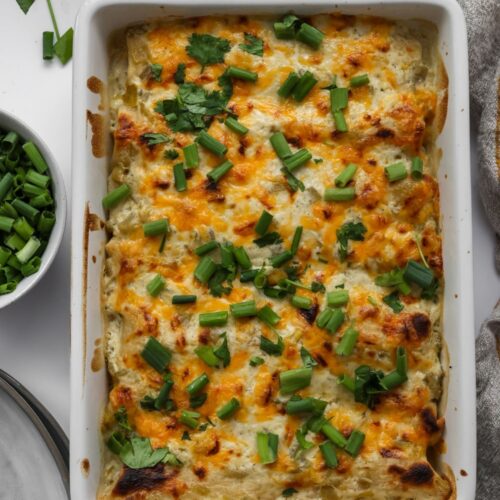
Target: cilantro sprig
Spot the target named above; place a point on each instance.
(354, 231)
(253, 45)
(207, 49)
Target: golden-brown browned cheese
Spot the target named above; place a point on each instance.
(393, 118)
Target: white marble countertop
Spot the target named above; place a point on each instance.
(35, 331)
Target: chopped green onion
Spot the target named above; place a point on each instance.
(14, 242)
(37, 179)
(263, 223)
(189, 418)
(340, 194)
(310, 35)
(205, 269)
(191, 156)
(300, 435)
(340, 123)
(307, 359)
(293, 380)
(392, 380)
(304, 86)
(244, 309)
(180, 181)
(347, 343)
(42, 200)
(206, 248)
(328, 451)
(23, 208)
(306, 405)
(285, 30)
(359, 80)
(346, 175)
(334, 435)
(271, 348)
(338, 99)
(155, 228)
(324, 317)
(183, 299)
(36, 157)
(401, 361)
(249, 275)
(206, 354)
(301, 302)
(241, 74)
(288, 85)
(197, 384)
(396, 172)
(229, 409)
(337, 298)
(297, 235)
(267, 447)
(5, 184)
(417, 168)
(220, 171)
(156, 355)
(48, 45)
(155, 286)
(234, 125)
(216, 318)
(268, 316)
(5, 253)
(211, 143)
(256, 361)
(268, 239)
(280, 259)
(298, 159)
(418, 274)
(280, 145)
(116, 196)
(28, 250)
(242, 258)
(6, 224)
(260, 279)
(347, 382)
(354, 443)
(335, 321)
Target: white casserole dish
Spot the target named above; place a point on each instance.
(96, 21)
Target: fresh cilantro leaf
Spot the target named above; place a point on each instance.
(193, 109)
(392, 300)
(171, 154)
(307, 359)
(394, 278)
(226, 84)
(185, 436)
(156, 70)
(151, 139)
(293, 271)
(180, 74)
(318, 160)
(198, 400)
(315, 423)
(256, 361)
(294, 183)
(349, 231)
(270, 347)
(121, 417)
(25, 5)
(203, 427)
(148, 403)
(137, 453)
(367, 385)
(222, 351)
(207, 49)
(268, 239)
(288, 492)
(253, 45)
(215, 284)
(63, 48)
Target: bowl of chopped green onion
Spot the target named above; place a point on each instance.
(32, 208)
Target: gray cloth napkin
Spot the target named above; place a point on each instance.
(483, 29)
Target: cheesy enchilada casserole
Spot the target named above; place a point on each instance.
(273, 280)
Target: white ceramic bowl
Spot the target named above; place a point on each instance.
(10, 122)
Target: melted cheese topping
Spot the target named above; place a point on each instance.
(390, 120)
